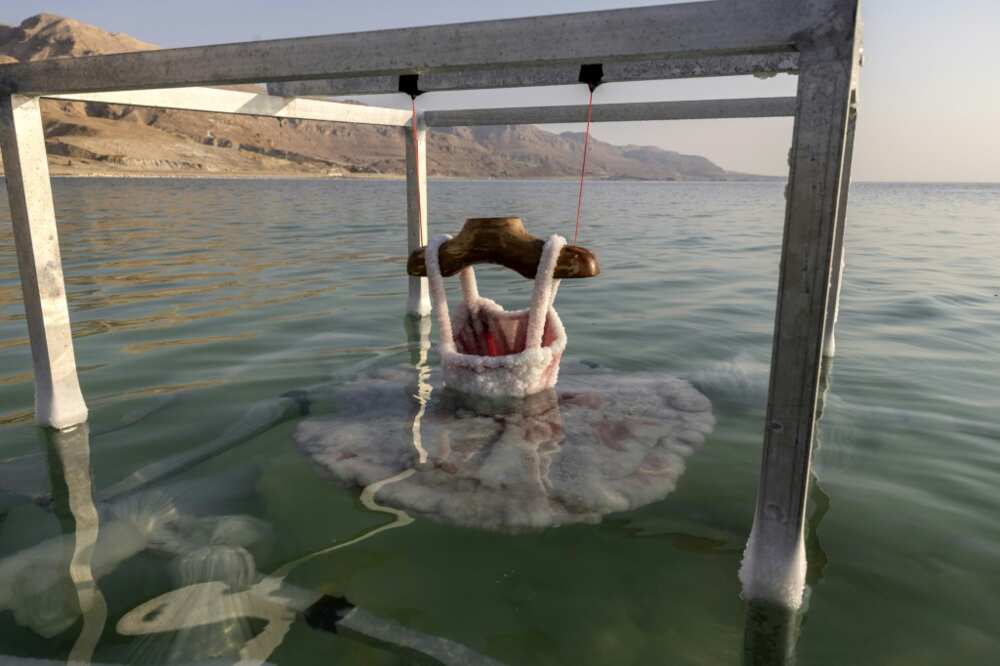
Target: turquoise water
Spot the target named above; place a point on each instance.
(197, 304)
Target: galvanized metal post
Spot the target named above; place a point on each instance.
(58, 399)
(774, 563)
(418, 303)
(837, 277)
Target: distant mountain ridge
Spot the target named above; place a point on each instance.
(115, 140)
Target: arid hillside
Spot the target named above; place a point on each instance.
(114, 140)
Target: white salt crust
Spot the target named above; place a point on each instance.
(602, 443)
(534, 366)
(771, 572)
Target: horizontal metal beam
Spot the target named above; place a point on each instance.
(552, 75)
(219, 100)
(720, 27)
(758, 107)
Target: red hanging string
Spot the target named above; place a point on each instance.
(416, 159)
(583, 167)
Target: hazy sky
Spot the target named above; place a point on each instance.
(930, 105)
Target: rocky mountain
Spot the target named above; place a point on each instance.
(115, 140)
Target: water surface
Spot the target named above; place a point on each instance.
(196, 304)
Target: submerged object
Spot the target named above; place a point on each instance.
(36, 584)
(486, 350)
(213, 617)
(602, 443)
(41, 584)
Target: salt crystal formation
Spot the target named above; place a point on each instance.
(598, 444)
(36, 583)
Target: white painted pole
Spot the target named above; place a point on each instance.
(839, 261)
(418, 303)
(58, 399)
(220, 100)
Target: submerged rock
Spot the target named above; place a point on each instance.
(598, 444)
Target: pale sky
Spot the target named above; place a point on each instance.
(930, 89)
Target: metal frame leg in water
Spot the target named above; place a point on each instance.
(774, 564)
(58, 399)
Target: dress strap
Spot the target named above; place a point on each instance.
(470, 289)
(544, 293)
(439, 299)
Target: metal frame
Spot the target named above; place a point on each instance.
(219, 100)
(552, 75)
(818, 39)
(760, 107)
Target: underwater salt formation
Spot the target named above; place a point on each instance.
(740, 380)
(599, 443)
(35, 583)
(220, 607)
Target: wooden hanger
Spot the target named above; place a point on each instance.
(504, 241)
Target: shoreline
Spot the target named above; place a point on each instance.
(387, 177)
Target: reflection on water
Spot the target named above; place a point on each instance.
(218, 316)
(418, 332)
(50, 585)
(53, 584)
(69, 452)
(211, 560)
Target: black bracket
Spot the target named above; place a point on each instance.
(408, 85)
(326, 612)
(592, 75)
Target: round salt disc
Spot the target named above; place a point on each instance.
(597, 444)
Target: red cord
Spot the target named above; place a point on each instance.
(416, 160)
(583, 167)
